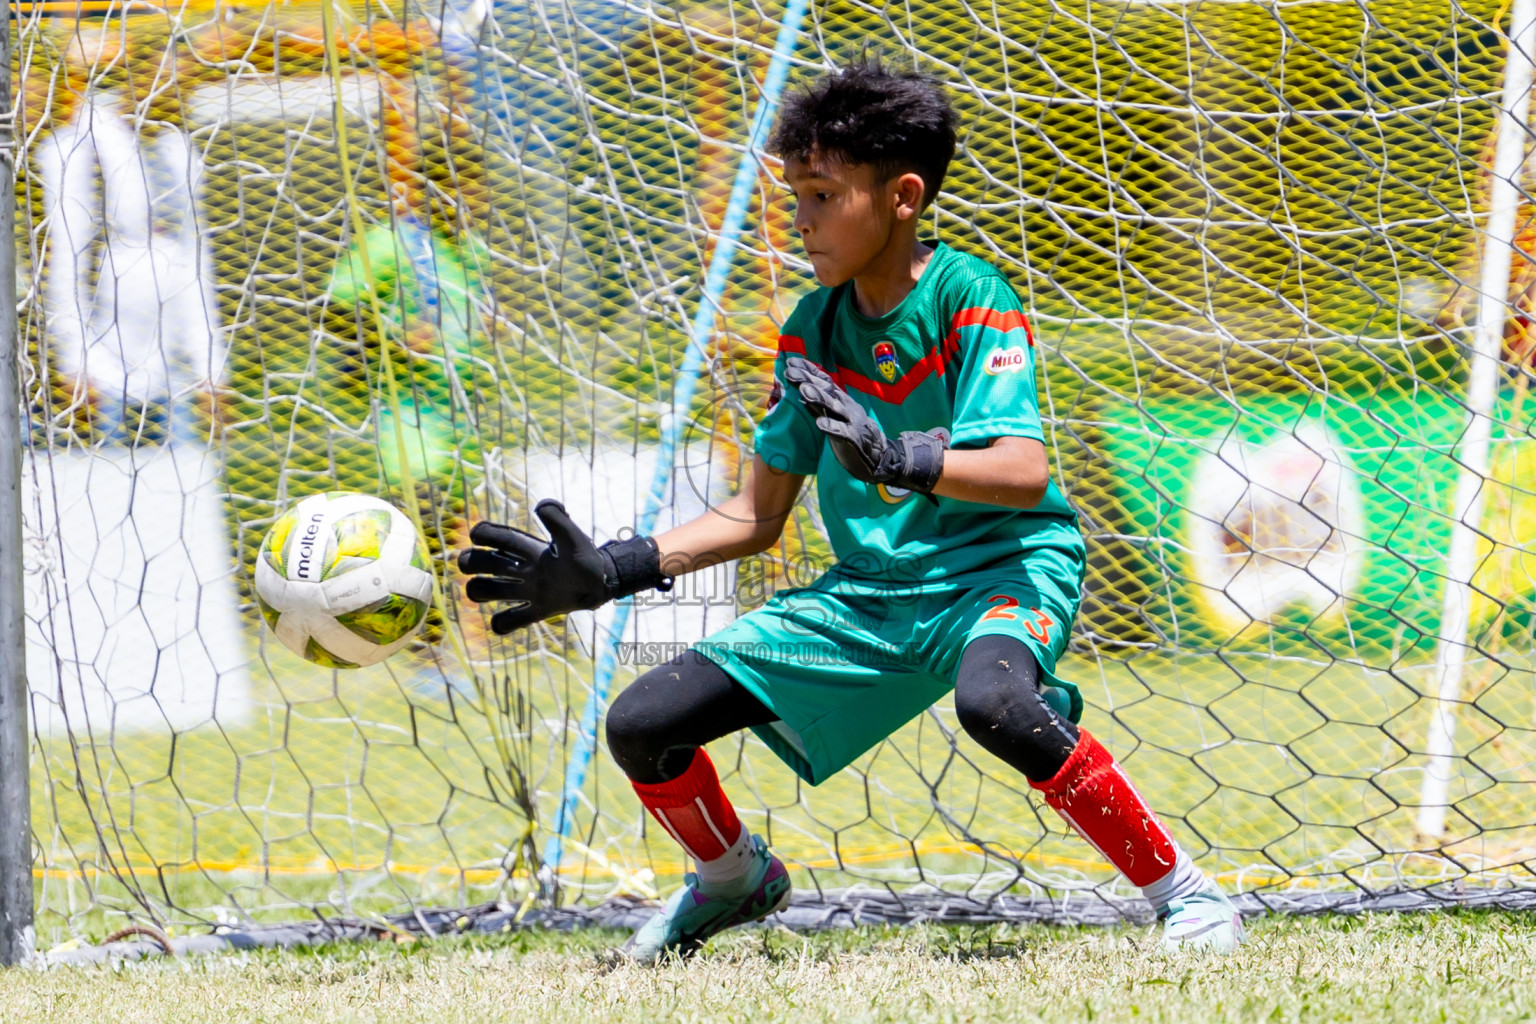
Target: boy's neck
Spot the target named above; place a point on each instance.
(887, 279)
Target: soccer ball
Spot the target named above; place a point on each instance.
(342, 579)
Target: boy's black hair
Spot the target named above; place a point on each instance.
(895, 121)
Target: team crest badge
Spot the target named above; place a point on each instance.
(885, 360)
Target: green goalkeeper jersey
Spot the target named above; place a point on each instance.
(956, 356)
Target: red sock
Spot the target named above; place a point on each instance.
(1092, 792)
(694, 809)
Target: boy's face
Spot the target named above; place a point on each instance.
(846, 215)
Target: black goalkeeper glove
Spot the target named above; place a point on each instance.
(552, 577)
(913, 461)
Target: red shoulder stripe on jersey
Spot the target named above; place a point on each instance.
(795, 346)
(997, 319)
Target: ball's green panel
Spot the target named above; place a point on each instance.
(386, 621)
(268, 613)
(274, 547)
(320, 656)
(421, 558)
(359, 540)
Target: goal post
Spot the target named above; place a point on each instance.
(16, 932)
(1511, 154)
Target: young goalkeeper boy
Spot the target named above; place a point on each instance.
(906, 384)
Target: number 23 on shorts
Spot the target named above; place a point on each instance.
(1039, 626)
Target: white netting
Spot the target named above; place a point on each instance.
(452, 257)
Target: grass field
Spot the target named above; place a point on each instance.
(365, 791)
(1371, 968)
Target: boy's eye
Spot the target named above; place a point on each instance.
(823, 196)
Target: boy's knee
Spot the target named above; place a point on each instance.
(995, 710)
(620, 722)
(632, 730)
(998, 681)
(983, 706)
(999, 704)
(650, 725)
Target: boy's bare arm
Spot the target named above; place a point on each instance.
(1012, 472)
(743, 525)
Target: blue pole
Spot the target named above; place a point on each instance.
(702, 331)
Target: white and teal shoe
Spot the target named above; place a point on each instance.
(692, 915)
(1205, 920)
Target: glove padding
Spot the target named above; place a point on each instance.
(564, 574)
(913, 461)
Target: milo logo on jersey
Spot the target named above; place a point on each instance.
(896, 495)
(1006, 360)
(885, 360)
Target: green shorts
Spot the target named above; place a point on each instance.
(845, 663)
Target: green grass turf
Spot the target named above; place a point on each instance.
(1372, 969)
(364, 792)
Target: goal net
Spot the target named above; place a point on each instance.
(1277, 258)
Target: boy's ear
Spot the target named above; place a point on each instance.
(908, 194)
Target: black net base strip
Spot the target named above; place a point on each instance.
(806, 912)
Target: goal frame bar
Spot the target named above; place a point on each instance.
(16, 931)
